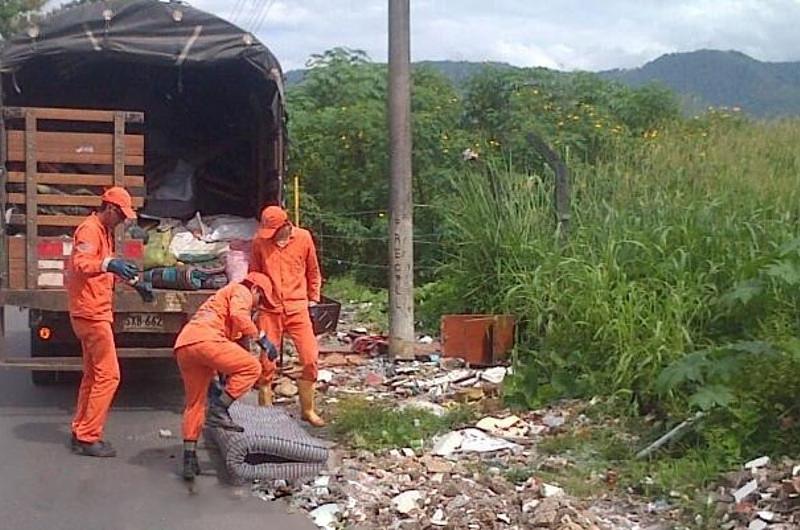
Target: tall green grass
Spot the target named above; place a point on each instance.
(660, 232)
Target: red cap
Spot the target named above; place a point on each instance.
(120, 197)
(272, 218)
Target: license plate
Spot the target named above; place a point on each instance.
(142, 322)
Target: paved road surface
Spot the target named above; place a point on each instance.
(44, 486)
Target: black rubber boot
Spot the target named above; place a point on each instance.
(218, 416)
(191, 468)
(98, 449)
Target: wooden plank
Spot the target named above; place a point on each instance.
(120, 149)
(31, 226)
(86, 148)
(77, 179)
(50, 220)
(66, 200)
(72, 114)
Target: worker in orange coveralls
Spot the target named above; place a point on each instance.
(90, 276)
(221, 337)
(287, 255)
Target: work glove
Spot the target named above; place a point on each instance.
(145, 291)
(123, 268)
(266, 345)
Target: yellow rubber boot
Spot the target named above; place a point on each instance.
(305, 390)
(265, 396)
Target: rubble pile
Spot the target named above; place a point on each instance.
(763, 495)
(460, 479)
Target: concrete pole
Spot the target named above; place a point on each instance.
(401, 228)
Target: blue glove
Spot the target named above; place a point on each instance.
(268, 347)
(122, 268)
(145, 290)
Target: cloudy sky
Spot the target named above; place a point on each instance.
(564, 34)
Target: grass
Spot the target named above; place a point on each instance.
(377, 425)
(369, 304)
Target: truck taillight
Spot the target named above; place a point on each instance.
(45, 333)
(50, 249)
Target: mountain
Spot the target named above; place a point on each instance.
(722, 78)
(701, 78)
(457, 71)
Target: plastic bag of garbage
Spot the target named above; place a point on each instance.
(189, 249)
(156, 251)
(237, 263)
(229, 228)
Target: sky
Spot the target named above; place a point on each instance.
(563, 34)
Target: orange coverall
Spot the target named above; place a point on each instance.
(206, 345)
(296, 280)
(90, 291)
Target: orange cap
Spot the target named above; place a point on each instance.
(120, 197)
(272, 218)
(263, 282)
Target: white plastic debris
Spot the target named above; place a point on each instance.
(746, 490)
(530, 506)
(504, 518)
(165, 433)
(325, 515)
(796, 470)
(324, 376)
(766, 516)
(494, 375)
(757, 463)
(553, 421)
(406, 501)
(427, 339)
(323, 481)
(447, 444)
(490, 424)
(438, 518)
(475, 441)
(548, 490)
(757, 524)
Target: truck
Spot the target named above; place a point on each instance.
(146, 94)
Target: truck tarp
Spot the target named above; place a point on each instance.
(211, 93)
(143, 30)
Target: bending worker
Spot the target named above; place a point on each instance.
(221, 337)
(90, 276)
(287, 255)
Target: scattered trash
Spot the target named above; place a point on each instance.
(406, 501)
(326, 515)
(324, 376)
(447, 444)
(494, 375)
(549, 490)
(426, 340)
(438, 518)
(165, 433)
(757, 463)
(480, 442)
(745, 491)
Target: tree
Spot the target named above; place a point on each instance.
(13, 13)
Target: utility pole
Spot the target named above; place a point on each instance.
(401, 226)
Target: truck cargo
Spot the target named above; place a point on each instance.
(179, 106)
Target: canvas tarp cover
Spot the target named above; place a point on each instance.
(145, 30)
(204, 85)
